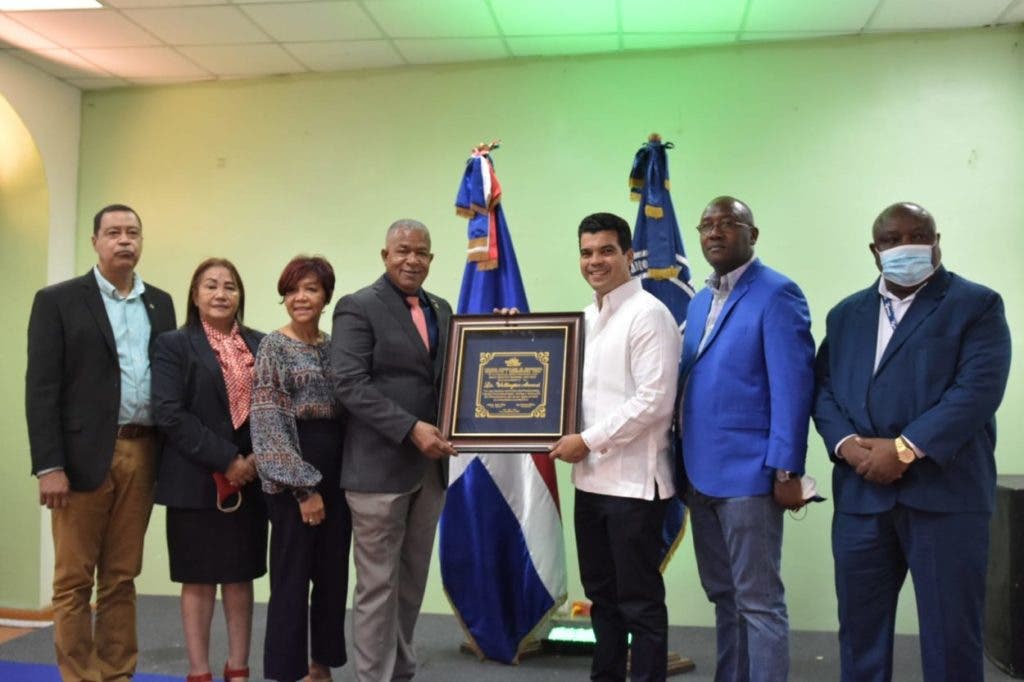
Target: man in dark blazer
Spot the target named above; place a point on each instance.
(746, 387)
(387, 352)
(909, 377)
(93, 443)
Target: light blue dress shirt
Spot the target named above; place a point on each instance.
(130, 323)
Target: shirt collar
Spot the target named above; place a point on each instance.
(419, 292)
(727, 282)
(218, 336)
(885, 293)
(110, 291)
(616, 296)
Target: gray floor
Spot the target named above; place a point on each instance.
(814, 654)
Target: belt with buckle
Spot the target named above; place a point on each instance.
(135, 431)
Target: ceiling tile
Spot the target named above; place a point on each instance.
(60, 63)
(345, 55)
(307, 21)
(143, 62)
(536, 46)
(432, 18)
(1016, 14)
(97, 83)
(548, 17)
(800, 15)
(15, 35)
(221, 25)
(123, 4)
(694, 16)
(87, 28)
(170, 81)
(244, 60)
(444, 50)
(667, 41)
(909, 15)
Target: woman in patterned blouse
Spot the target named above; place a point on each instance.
(297, 429)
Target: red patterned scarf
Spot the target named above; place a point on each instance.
(236, 362)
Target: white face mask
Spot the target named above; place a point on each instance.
(907, 265)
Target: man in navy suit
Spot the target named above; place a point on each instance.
(910, 374)
(746, 389)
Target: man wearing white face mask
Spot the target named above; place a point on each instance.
(909, 377)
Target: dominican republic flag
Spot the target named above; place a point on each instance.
(659, 259)
(501, 548)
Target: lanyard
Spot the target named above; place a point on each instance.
(889, 312)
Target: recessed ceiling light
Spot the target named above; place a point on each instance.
(28, 5)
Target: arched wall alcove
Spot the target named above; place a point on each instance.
(24, 237)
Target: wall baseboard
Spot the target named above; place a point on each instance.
(26, 618)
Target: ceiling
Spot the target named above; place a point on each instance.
(146, 42)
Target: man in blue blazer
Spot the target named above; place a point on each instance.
(746, 387)
(909, 377)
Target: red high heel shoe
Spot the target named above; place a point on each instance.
(239, 674)
(203, 677)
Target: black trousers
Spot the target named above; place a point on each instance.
(618, 540)
(304, 623)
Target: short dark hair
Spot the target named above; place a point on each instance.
(302, 266)
(192, 311)
(905, 208)
(599, 222)
(112, 208)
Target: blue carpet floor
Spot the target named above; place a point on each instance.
(39, 672)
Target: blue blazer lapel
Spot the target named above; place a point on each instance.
(738, 292)
(863, 340)
(696, 319)
(925, 302)
(208, 359)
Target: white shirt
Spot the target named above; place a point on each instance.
(886, 328)
(630, 370)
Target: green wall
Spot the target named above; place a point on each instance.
(816, 136)
(24, 229)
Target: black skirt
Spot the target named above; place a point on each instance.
(209, 546)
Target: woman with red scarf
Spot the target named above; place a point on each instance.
(216, 517)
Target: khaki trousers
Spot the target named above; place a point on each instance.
(100, 534)
(392, 540)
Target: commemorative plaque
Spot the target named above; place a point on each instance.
(511, 383)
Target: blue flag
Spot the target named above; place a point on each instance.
(501, 549)
(659, 259)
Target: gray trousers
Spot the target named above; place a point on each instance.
(392, 540)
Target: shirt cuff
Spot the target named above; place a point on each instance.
(840, 444)
(593, 439)
(918, 452)
(52, 469)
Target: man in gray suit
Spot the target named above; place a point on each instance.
(387, 351)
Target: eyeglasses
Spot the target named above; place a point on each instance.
(726, 225)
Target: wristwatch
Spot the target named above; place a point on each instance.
(904, 451)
